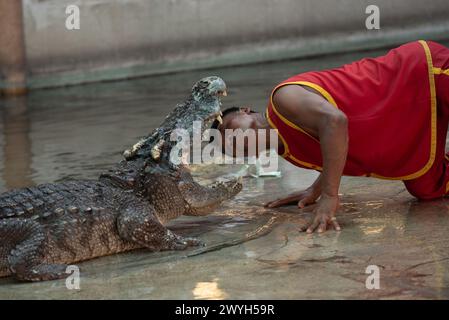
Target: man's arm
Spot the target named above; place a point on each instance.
(320, 119)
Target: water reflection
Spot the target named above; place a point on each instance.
(426, 225)
(209, 290)
(17, 143)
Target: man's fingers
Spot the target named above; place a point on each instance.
(274, 204)
(313, 226)
(304, 203)
(336, 225)
(323, 226)
(280, 202)
(271, 204)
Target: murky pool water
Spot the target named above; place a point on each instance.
(77, 132)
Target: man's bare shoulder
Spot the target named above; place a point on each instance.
(296, 89)
(292, 96)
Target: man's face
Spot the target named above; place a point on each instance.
(243, 119)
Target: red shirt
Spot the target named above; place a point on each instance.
(390, 103)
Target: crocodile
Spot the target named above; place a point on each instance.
(47, 227)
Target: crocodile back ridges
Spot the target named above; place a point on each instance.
(44, 199)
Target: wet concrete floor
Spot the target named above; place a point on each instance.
(251, 252)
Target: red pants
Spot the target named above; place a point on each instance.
(435, 182)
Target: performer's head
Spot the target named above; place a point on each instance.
(242, 118)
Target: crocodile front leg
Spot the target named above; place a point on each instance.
(138, 223)
(27, 252)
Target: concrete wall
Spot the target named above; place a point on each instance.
(124, 38)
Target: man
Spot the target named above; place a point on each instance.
(385, 117)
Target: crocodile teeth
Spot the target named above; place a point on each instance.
(130, 153)
(127, 154)
(29, 208)
(73, 209)
(156, 150)
(96, 210)
(59, 211)
(88, 210)
(46, 214)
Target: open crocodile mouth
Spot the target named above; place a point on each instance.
(204, 134)
(190, 118)
(153, 154)
(207, 122)
(216, 116)
(157, 148)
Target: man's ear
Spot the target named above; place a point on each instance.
(245, 109)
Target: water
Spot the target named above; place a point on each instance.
(78, 132)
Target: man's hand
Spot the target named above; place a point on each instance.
(303, 198)
(325, 214)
